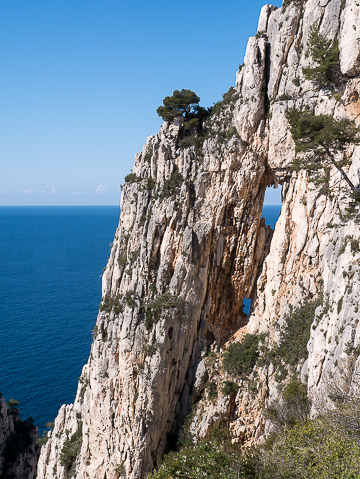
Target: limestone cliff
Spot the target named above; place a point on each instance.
(191, 245)
(19, 450)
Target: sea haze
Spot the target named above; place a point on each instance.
(51, 261)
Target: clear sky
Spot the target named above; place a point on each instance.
(81, 81)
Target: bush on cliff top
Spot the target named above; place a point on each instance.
(180, 103)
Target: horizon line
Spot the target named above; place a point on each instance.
(92, 206)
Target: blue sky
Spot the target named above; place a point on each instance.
(81, 81)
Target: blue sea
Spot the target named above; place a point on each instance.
(51, 261)
(271, 214)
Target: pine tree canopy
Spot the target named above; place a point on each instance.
(181, 103)
(314, 132)
(326, 54)
(321, 137)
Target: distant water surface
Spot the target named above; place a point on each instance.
(51, 261)
(271, 214)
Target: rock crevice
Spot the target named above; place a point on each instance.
(191, 245)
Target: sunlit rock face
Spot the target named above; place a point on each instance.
(191, 245)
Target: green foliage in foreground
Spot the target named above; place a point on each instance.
(313, 449)
(310, 449)
(208, 460)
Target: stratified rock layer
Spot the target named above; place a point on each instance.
(191, 245)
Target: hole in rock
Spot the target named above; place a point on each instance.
(272, 205)
(271, 212)
(246, 306)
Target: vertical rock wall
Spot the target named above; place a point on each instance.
(191, 245)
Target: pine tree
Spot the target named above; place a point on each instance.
(321, 137)
(326, 54)
(181, 103)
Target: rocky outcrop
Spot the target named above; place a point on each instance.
(19, 450)
(191, 245)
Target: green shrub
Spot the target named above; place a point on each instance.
(133, 256)
(287, 3)
(149, 153)
(120, 470)
(211, 389)
(132, 178)
(354, 245)
(321, 137)
(293, 407)
(312, 449)
(240, 357)
(339, 305)
(229, 388)
(232, 132)
(326, 54)
(228, 100)
(185, 437)
(131, 299)
(121, 259)
(152, 349)
(193, 124)
(172, 184)
(285, 97)
(187, 142)
(295, 334)
(155, 307)
(114, 303)
(71, 450)
(150, 183)
(214, 459)
(327, 447)
(12, 406)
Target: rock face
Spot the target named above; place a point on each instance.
(19, 450)
(191, 245)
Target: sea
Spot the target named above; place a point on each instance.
(51, 262)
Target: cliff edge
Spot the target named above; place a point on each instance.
(191, 245)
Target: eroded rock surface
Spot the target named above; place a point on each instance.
(191, 245)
